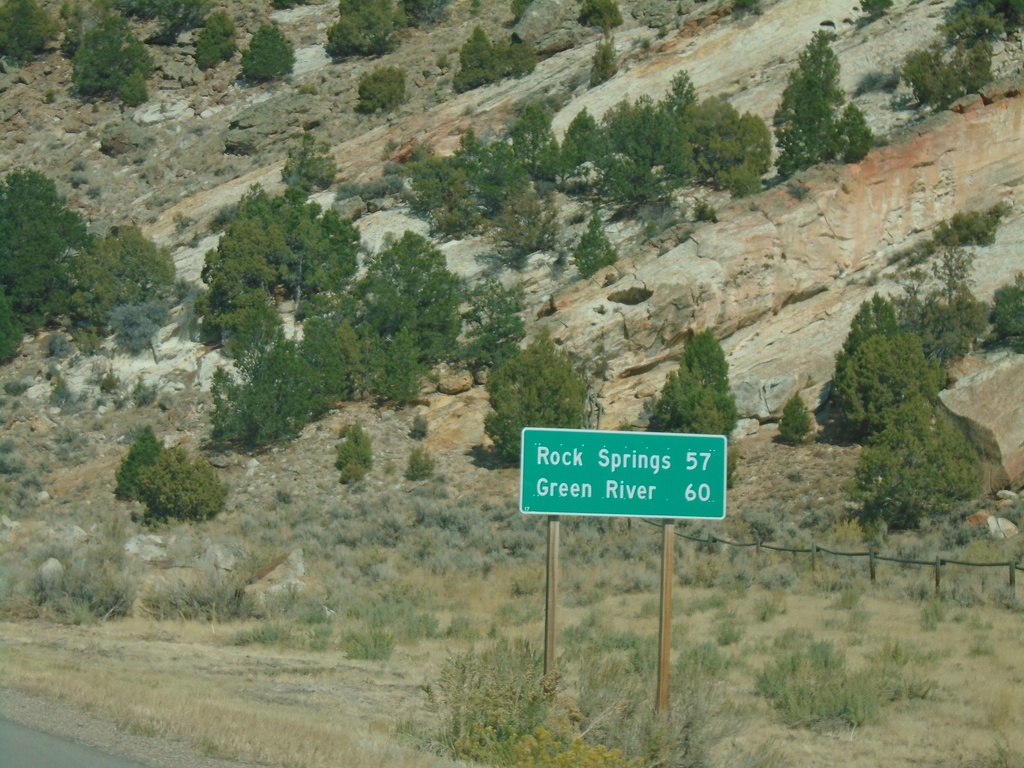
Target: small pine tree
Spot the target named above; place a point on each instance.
(10, 329)
(141, 457)
(354, 455)
(536, 388)
(594, 250)
(268, 56)
(25, 29)
(604, 66)
(1008, 314)
(382, 90)
(600, 13)
(696, 396)
(216, 41)
(310, 165)
(875, 9)
(177, 488)
(421, 464)
(107, 57)
(795, 424)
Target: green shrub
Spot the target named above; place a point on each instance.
(938, 78)
(364, 28)
(538, 387)
(354, 455)
(421, 464)
(534, 143)
(527, 223)
(382, 90)
(134, 325)
(696, 396)
(175, 16)
(603, 66)
(518, 8)
(1007, 314)
(422, 12)
(493, 325)
(25, 29)
(795, 424)
(918, 466)
(309, 166)
(141, 456)
(10, 329)
(177, 488)
(970, 227)
(268, 56)
(594, 250)
(216, 41)
(875, 9)
(731, 151)
(600, 13)
(370, 645)
(489, 700)
(271, 399)
(482, 62)
(108, 56)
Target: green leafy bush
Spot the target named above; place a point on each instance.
(536, 388)
(125, 267)
(882, 371)
(939, 77)
(364, 28)
(600, 13)
(354, 455)
(594, 250)
(696, 396)
(268, 56)
(273, 396)
(177, 488)
(309, 166)
(482, 62)
(492, 325)
(39, 236)
(108, 56)
(1008, 314)
(25, 29)
(216, 41)
(795, 424)
(918, 466)
(140, 459)
(875, 9)
(810, 127)
(382, 90)
(421, 464)
(603, 66)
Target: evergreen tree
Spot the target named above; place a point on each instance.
(25, 29)
(600, 13)
(354, 455)
(731, 151)
(39, 236)
(107, 57)
(884, 372)
(696, 397)
(364, 28)
(1008, 314)
(603, 67)
(594, 250)
(809, 123)
(482, 62)
(177, 488)
(268, 56)
(334, 355)
(140, 459)
(309, 166)
(920, 465)
(536, 388)
(875, 9)
(533, 142)
(493, 324)
(407, 286)
(580, 145)
(422, 12)
(382, 90)
(939, 77)
(270, 401)
(10, 329)
(795, 424)
(216, 41)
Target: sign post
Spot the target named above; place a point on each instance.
(659, 475)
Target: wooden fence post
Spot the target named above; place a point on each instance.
(938, 568)
(814, 557)
(1013, 573)
(871, 565)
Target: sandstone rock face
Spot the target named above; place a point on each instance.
(989, 402)
(550, 26)
(765, 399)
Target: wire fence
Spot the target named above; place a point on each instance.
(873, 558)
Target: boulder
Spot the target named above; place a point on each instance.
(1001, 528)
(765, 399)
(988, 401)
(50, 573)
(284, 575)
(550, 26)
(146, 547)
(455, 383)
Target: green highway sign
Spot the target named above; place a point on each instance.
(622, 474)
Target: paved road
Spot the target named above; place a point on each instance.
(22, 747)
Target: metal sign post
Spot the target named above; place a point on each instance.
(665, 618)
(552, 591)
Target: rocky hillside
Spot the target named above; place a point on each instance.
(777, 277)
